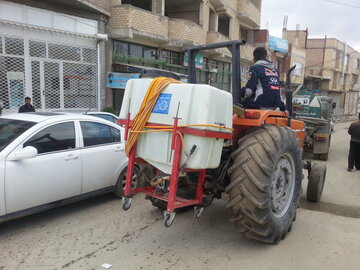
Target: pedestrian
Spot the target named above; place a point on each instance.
(262, 89)
(354, 152)
(27, 107)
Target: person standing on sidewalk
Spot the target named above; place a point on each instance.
(354, 152)
(27, 107)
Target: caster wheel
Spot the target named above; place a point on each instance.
(168, 219)
(198, 211)
(126, 203)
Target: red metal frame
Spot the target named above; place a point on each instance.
(173, 201)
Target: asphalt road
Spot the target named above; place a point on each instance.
(87, 234)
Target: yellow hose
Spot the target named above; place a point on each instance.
(143, 115)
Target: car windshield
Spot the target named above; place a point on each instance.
(11, 129)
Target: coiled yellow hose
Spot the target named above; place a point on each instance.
(141, 118)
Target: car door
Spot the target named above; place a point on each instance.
(54, 174)
(103, 156)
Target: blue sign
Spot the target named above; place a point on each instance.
(162, 105)
(278, 44)
(119, 80)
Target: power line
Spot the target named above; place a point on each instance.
(342, 4)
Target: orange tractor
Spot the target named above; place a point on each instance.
(260, 168)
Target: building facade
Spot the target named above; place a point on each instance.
(51, 52)
(55, 53)
(153, 33)
(333, 67)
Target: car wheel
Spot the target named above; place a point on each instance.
(120, 184)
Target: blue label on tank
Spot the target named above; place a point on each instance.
(162, 104)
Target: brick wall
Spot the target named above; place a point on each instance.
(214, 37)
(291, 37)
(126, 16)
(186, 30)
(120, 17)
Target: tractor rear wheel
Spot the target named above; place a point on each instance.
(265, 181)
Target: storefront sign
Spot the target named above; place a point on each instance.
(199, 60)
(278, 44)
(119, 80)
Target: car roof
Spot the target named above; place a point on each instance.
(106, 113)
(38, 117)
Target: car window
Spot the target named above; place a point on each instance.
(54, 138)
(115, 133)
(97, 133)
(11, 129)
(106, 117)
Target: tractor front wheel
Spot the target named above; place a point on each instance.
(265, 181)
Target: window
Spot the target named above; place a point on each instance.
(224, 24)
(37, 49)
(143, 4)
(106, 117)
(136, 50)
(54, 138)
(11, 129)
(64, 52)
(298, 71)
(121, 47)
(97, 134)
(244, 72)
(14, 46)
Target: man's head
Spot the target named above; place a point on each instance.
(27, 100)
(259, 53)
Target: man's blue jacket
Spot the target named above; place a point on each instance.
(263, 87)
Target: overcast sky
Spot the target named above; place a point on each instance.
(339, 20)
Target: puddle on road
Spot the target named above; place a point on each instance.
(332, 208)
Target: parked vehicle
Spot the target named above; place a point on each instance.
(50, 159)
(104, 115)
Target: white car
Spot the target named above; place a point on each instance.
(50, 159)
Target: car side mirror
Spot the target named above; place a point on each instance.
(26, 152)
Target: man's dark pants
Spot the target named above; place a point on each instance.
(354, 155)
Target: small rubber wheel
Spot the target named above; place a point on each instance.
(126, 204)
(168, 220)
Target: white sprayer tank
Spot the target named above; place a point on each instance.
(198, 104)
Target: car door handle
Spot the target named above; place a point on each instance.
(71, 157)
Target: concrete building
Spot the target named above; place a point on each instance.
(333, 67)
(153, 33)
(51, 51)
(295, 57)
